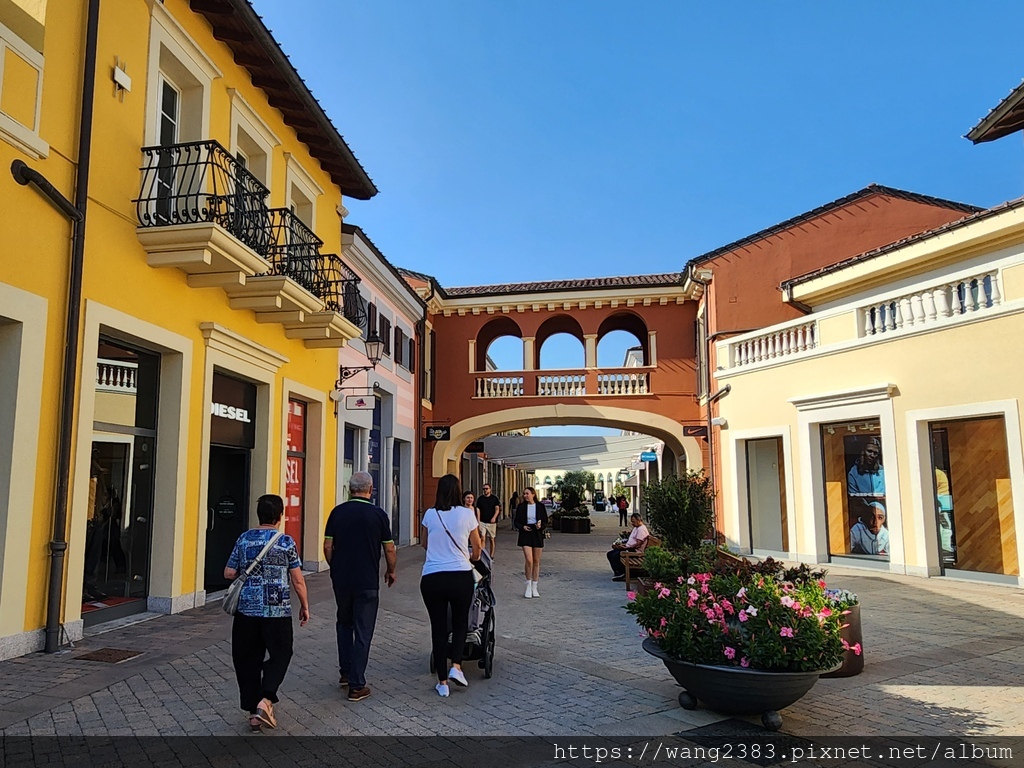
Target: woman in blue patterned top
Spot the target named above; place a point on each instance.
(261, 636)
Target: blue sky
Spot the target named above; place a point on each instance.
(535, 140)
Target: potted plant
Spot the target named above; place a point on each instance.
(848, 605)
(575, 517)
(743, 643)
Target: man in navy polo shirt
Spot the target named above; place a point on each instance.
(356, 531)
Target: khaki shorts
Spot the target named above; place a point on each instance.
(490, 529)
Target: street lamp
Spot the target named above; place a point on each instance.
(374, 351)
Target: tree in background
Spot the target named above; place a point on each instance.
(572, 490)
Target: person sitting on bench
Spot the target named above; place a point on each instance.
(636, 543)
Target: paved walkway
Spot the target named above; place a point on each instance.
(942, 657)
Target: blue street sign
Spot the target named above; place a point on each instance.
(648, 456)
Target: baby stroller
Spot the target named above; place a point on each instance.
(480, 638)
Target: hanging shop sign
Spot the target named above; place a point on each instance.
(692, 431)
(359, 402)
(233, 412)
(648, 456)
(439, 433)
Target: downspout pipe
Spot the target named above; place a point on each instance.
(58, 545)
(706, 383)
(419, 409)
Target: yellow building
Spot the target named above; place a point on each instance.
(206, 307)
(883, 429)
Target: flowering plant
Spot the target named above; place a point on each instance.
(759, 622)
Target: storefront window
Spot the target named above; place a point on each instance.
(973, 501)
(855, 489)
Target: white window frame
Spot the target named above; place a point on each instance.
(25, 138)
(245, 119)
(167, 35)
(298, 179)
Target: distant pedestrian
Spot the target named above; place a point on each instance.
(488, 508)
(356, 531)
(531, 518)
(261, 634)
(623, 506)
(447, 581)
(513, 504)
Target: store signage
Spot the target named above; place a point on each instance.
(648, 456)
(477, 446)
(439, 433)
(233, 412)
(359, 403)
(695, 431)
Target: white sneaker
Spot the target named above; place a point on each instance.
(458, 677)
(533, 589)
(442, 690)
(529, 589)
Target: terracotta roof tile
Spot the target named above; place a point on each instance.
(590, 283)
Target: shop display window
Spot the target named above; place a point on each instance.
(855, 492)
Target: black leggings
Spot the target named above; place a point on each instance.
(261, 649)
(443, 591)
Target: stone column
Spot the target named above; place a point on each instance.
(590, 345)
(528, 353)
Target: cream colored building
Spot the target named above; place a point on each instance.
(883, 429)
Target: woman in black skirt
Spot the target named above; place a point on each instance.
(531, 518)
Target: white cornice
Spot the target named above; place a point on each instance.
(844, 397)
(358, 255)
(223, 340)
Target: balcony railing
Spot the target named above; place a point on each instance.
(117, 376)
(790, 340)
(295, 251)
(588, 382)
(964, 296)
(339, 289)
(201, 182)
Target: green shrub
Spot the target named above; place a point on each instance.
(681, 509)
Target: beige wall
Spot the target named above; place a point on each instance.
(960, 370)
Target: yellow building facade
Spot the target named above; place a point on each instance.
(883, 429)
(212, 304)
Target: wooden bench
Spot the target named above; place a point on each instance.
(634, 561)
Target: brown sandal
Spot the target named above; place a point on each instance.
(265, 713)
(255, 724)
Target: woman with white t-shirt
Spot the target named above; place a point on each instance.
(447, 581)
(531, 518)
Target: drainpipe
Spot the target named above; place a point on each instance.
(58, 546)
(706, 382)
(420, 442)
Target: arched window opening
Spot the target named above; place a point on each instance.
(505, 353)
(630, 323)
(561, 351)
(496, 328)
(613, 347)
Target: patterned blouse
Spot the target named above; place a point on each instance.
(267, 591)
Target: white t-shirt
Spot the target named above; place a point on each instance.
(442, 554)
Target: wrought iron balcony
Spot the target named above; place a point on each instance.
(295, 251)
(201, 182)
(339, 289)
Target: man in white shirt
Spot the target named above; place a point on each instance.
(636, 542)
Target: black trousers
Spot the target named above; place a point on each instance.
(261, 650)
(444, 591)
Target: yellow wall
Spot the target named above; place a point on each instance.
(962, 364)
(116, 272)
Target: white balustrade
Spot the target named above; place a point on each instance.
(562, 385)
(117, 376)
(777, 344)
(499, 386)
(963, 296)
(622, 384)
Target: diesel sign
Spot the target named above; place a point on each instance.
(230, 412)
(233, 412)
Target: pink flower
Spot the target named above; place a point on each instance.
(679, 580)
(856, 649)
(752, 610)
(665, 592)
(631, 596)
(744, 662)
(691, 581)
(656, 634)
(693, 594)
(821, 583)
(657, 585)
(786, 632)
(742, 616)
(663, 622)
(742, 593)
(787, 600)
(710, 614)
(730, 653)
(826, 611)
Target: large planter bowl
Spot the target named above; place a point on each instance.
(852, 633)
(734, 690)
(575, 525)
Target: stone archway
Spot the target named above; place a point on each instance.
(446, 455)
